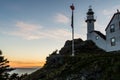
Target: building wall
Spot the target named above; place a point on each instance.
(90, 26)
(100, 42)
(115, 35)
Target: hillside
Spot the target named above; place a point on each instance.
(89, 63)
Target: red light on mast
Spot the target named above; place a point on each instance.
(72, 7)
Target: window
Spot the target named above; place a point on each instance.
(119, 24)
(113, 41)
(112, 28)
(118, 17)
(97, 37)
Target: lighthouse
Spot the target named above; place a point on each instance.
(90, 22)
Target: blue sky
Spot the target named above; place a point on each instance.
(32, 29)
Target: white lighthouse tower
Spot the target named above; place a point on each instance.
(90, 22)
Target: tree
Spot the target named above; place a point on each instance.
(14, 76)
(54, 52)
(23, 76)
(4, 67)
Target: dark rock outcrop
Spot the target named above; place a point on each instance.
(80, 47)
(89, 63)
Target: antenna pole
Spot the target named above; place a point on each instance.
(72, 25)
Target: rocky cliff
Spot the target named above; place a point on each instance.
(89, 63)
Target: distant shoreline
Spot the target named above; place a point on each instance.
(21, 71)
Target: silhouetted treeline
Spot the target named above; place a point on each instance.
(5, 69)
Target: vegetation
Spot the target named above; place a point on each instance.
(4, 67)
(89, 63)
(15, 76)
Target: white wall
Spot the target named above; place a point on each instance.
(115, 34)
(100, 42)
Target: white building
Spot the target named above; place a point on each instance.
(110, 41)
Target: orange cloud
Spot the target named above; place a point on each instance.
(21, 64)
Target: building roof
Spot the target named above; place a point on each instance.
(100, 34)
(118, 13)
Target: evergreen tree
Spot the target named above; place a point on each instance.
(14, 76)
(4, 67)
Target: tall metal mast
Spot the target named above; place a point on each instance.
(72, 25)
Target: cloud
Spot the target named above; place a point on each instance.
(59, 34)
(32, 32)
(110, 10)
(26, 31)
(27, 27)
(61, 18)
(107, 12)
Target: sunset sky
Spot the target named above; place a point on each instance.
(32, 29)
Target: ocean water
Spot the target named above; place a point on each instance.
(21, 71)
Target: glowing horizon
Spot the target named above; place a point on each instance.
(23, 64)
